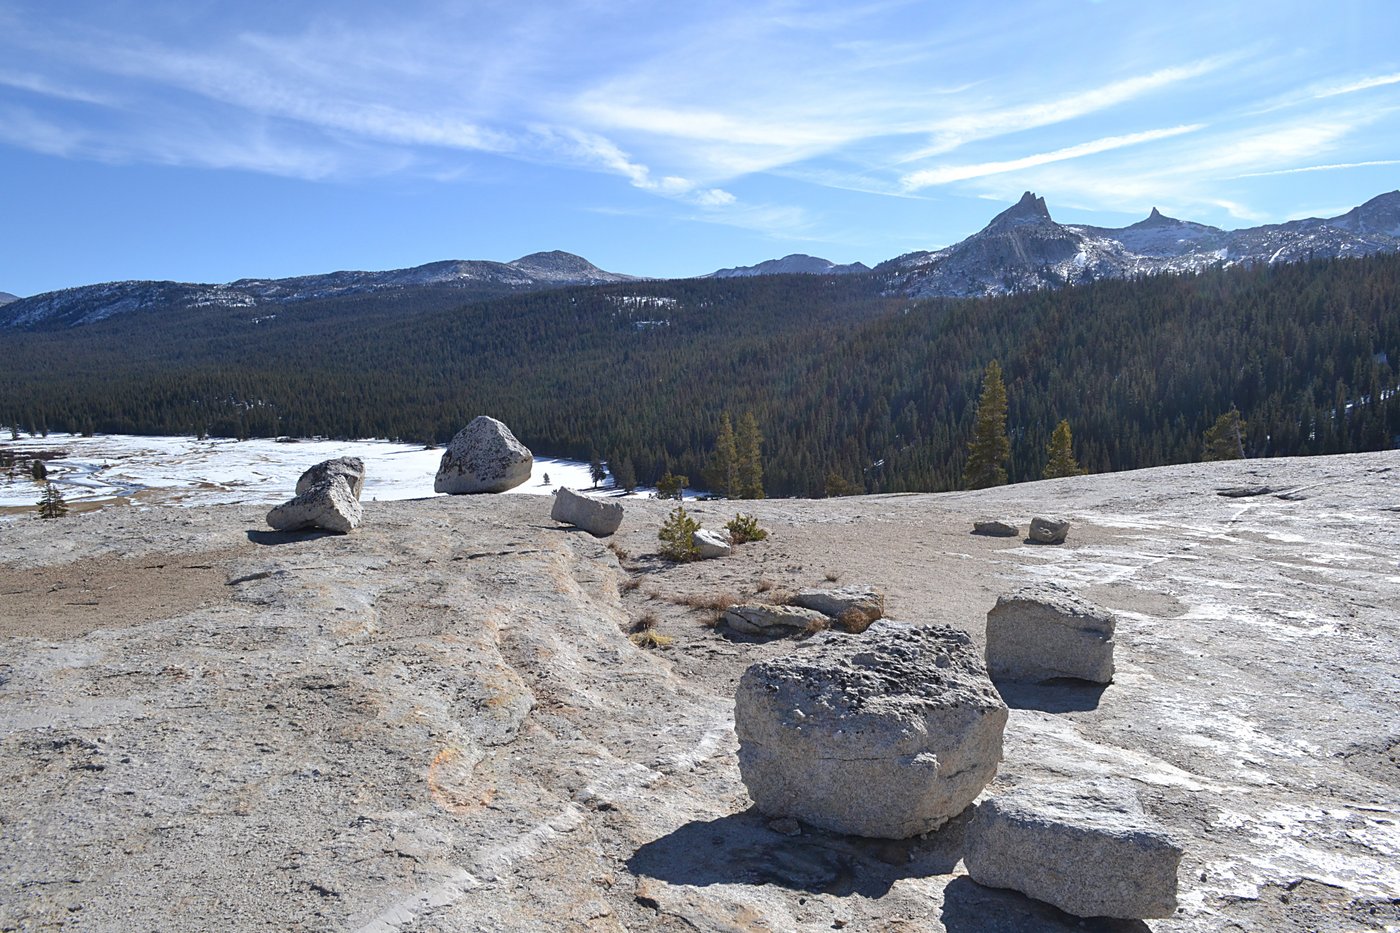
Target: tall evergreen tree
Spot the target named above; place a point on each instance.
(1224, 440)
(52, 505)
(750, 459)
(723, 474)
(1061, 454)
(597, 470)
(990, 447)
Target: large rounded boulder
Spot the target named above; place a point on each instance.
(889, 734)
(483, 457)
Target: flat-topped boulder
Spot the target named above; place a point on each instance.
(865, 600)
(1043, 631)
(763, 619)
(483, 457)
(329, 505)
(352, 469)
(594, 516)
(888, 735)
(1088, 848)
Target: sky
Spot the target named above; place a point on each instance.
(207, 141)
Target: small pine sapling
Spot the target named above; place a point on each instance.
(744, 528)
(51, 505)
(677, 536)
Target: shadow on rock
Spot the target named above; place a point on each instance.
(970, 908)
(1061, 695)
(288, 537)
(741, 849)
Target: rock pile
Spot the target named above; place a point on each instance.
(328, 497)
(888, 735)
(1087, 848)
(599, 519)
(1043, 631)
(483, 457)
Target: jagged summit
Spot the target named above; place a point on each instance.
(1030, 209)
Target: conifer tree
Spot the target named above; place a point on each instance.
(990, 447)
(597, 470)
(724, 462)
(750, 460)
(1061, 454)
(1224, 440)
(51, 505)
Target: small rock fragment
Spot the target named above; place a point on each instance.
(1087, 848)
(995, 529)
(599, 519)
(1049, 530)
(710, 544)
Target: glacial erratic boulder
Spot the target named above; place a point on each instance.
(1088, 848)
(329, 505)
(995, 528)
(865, 600)
(888, 735)
(596, 517)
(710, 544)
(351, 468)
(1049, 530)
(483, 457)
(1044, 631)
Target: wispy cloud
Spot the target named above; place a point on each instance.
(38, 84)
(945, 174)
(1364, 84)
(1334, 167)
(958, 131)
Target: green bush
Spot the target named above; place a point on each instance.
(676, 536)
(743, 529)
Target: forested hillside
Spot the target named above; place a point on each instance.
(871, 391)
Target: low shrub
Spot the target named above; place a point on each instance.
(744, 528)
(676, 536)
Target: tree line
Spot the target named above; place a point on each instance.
(848, 389)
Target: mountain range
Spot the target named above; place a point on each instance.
(463, 280)
(1022, 249)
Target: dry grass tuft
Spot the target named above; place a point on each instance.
(715, 602)
(818, 625)
(650, 639)
(621, 552)
(630, 585)
(765, 584)
(832, 576)
(646, 622)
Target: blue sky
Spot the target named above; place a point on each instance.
(206, 141)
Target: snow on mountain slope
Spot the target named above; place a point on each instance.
(799, 263)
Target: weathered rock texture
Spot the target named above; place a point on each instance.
(483, 457)
(1088, 848)
(865, 599)
(1049, 530)
(599, 519)
(710, 544)
(351, 469)
(995, 529)
(1043, 631)
(329, 505)
(887, 735)
(762, 619)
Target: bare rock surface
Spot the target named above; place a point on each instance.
(1088, 848)
(1043, 631)
(483, 457)
(351, 469)
(438, 723)
(329, 505)
(598, 518)
(889, 734)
